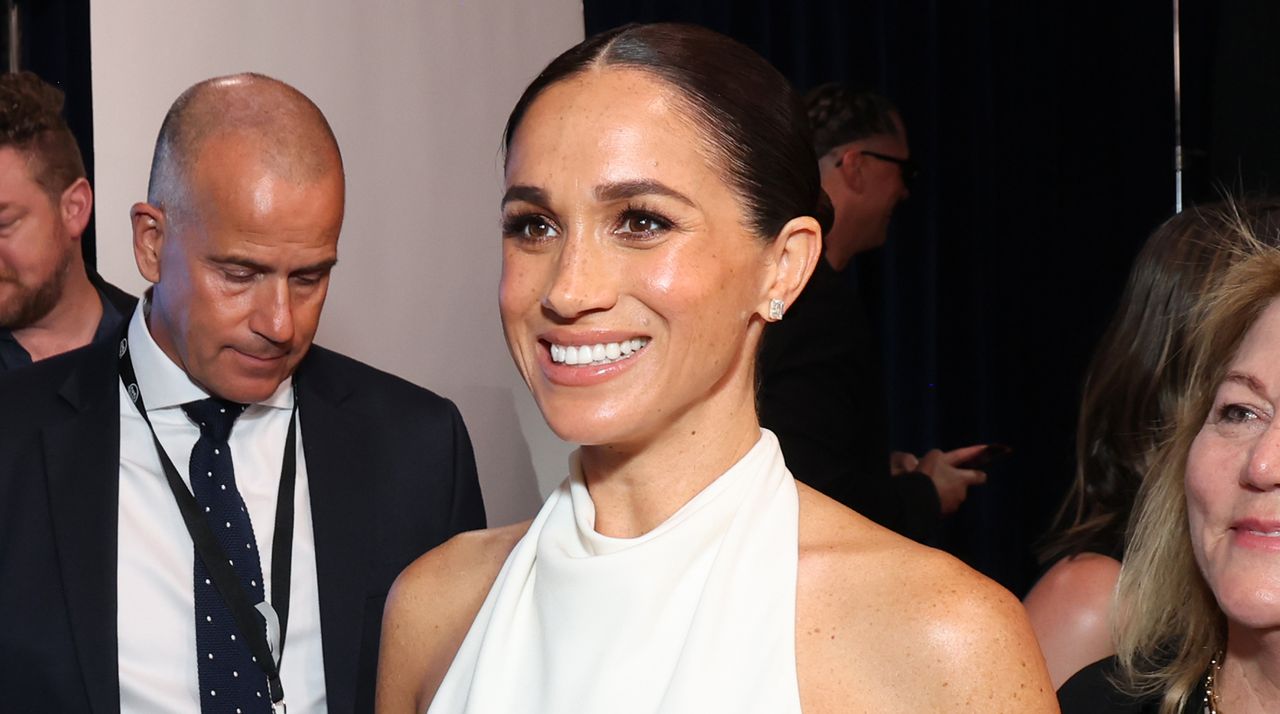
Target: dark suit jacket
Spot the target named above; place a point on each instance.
(122, 301)
(822, 392)
(391, 475)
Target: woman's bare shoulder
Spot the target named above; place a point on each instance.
(430, 609)
(1070, 611)
(883, 619)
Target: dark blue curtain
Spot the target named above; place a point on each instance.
(1046, 132)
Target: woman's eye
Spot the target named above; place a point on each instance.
(1235, 414)
(643, 224)
(535, 228)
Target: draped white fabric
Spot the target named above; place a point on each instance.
(698, 615)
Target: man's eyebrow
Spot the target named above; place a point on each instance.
(642, 187)
(321, 266)
(528, 194)
(317, 267)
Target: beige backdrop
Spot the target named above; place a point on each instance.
(417, 93)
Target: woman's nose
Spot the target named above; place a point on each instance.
(583, 280)
(1263, 469)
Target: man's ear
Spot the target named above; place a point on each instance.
(851, 169)
(796, 252)
(148, 238)
(75, 206)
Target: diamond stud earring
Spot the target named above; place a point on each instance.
(775, 309)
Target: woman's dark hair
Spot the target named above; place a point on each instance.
(750, 116)
(1140, 364)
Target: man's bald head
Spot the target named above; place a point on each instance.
(285, 129)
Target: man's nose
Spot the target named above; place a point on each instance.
(273, 311)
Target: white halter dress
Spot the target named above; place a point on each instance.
(697, 615)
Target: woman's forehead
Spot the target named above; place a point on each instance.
(607, 126)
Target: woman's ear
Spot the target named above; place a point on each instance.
(148, 238)
(795, 252)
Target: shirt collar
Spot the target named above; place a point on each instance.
(163, 383)
(109, 324)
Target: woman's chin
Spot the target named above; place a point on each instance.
(585, 427)
(1253, 604)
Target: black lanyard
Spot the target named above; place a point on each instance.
(220, 570)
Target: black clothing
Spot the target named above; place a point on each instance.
(1091, 691)
(390, 474)
(117, 306)
(822, 392)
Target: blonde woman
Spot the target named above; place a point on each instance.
(1198, 601)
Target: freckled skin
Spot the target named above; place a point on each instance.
(677, 289)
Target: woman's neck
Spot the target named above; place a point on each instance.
(1249, 680)
(637, 486)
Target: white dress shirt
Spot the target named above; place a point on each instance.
(156, 611)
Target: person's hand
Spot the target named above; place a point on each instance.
(951, 481)
(901, 462)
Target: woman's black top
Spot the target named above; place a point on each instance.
(1091, 691)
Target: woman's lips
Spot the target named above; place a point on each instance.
(595, 354)
(588, 359)
(1257, 533)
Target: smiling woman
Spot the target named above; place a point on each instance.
(1197, 601)
(662, 205)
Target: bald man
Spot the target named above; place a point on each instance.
(205, 513)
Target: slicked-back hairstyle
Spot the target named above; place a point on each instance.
(1168, 624)
(753, 123)
(31, 122)
(840, 115)
(291, 135)
(1141, 363)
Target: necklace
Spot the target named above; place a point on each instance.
(1210, 693)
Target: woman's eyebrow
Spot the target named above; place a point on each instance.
(619, 190)
(1248, 381)
(528, 194)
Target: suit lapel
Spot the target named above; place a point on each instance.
(341, 514)
(82, 458)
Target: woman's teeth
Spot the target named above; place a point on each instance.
(601, 353)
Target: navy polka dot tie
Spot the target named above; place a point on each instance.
(230, 679)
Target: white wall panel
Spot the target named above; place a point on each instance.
(417, 93)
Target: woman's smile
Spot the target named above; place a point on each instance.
(631, 288)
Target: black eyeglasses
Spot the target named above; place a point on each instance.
(910, 170)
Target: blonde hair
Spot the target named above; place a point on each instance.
(1168, 623)
(1140, 366)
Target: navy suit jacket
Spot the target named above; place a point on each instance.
(391, 475)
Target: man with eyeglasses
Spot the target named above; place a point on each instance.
(865, 163)
(821, 383)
